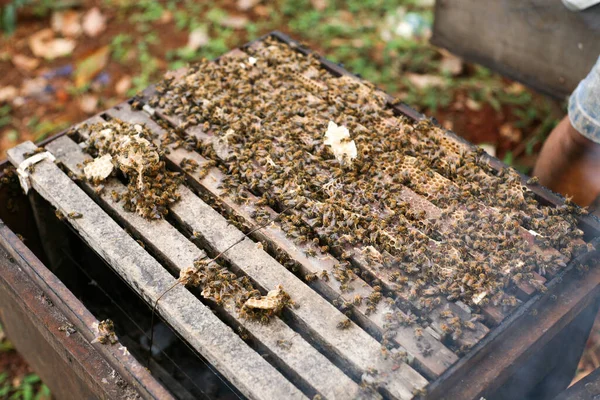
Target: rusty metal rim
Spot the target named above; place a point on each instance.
(126, 365)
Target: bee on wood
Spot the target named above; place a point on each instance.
(310, 277)
(324, 275)
(310, 253)
(446, 329)
(98, 189)
(75, 215)
(59, 215)
(418, 332)
(106, 333)
(345, 324)
(284, 344)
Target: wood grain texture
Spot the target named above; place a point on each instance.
(468, 338)
(538, 42)
(245, 368)
(32, 321)
(432, 364)
(353, 347)
(301, 358)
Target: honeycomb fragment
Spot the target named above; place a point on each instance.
(99, 169)
(271, 301)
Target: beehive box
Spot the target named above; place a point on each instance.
(342, 245)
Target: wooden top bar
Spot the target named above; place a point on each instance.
(274, 234)
(354, 347)
(251, 374)
(177, 250)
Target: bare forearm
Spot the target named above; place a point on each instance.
(569, 163)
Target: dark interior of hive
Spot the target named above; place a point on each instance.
(403, 228)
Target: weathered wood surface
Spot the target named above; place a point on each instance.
(468, 338)
(433, 364)
(527, 331)
(245, 368)
(164, 239)
(353, 346)
(538, 42)
(82, 319)
(32, 323)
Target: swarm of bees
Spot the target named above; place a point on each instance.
(151, 187)
(221, 285)
(264, 124)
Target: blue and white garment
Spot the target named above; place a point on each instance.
(584, 105)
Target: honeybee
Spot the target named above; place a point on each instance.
(345, 324)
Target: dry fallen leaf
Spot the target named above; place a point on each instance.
(245, 5)
(90, 66)
(198, 38)
(88, 103)
(123, 85)
(94, 22)
(25, 63)
(33, 87)
(424, 81)
(509, 132)
(44, 44)
(515, 88)
(67, 23)
(450, 63)
(234, 22)
(8, 93)
(473, 105)
(319, 5)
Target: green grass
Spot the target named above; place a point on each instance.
(27, 387)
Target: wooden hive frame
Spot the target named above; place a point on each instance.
(321, 359)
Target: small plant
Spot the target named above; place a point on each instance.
(5, 115)
(29, 387)
(5, 345)
(120, 46)
(8, 13)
